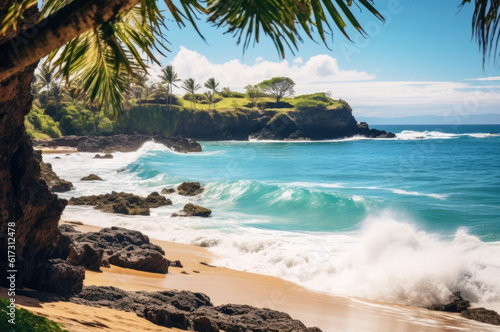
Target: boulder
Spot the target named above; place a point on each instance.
(106, 156)
(190, 188)
(456, 304)
(482, 315)
(122, 203)
(120, 246)
(91, 177)
(167, 191)
(192, 210)
(53, 181)
(86, 255)
(59, 277)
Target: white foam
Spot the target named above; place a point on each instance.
(418, 135)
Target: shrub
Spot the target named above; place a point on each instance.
(42, 123)
(76, 121)
(237, 95)
(320, 96)
(310, 105)
(268, 104)
(199, 97)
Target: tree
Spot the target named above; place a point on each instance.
(170, 77)
(212, 85)
(210, 98)
(226, 92)
(45, 77)
(254, 93)
(278, 87)
(191, 87)
(159, 92)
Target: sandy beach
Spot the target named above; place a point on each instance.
(330, 313)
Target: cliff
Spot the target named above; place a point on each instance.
(242, 124)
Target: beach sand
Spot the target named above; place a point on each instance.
(222, 285)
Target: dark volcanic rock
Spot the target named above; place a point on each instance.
(86, 255)
(54, 182)
(456, 304)
(167, 191)
(91, 177)
(59, 277)
(190, 311)
(122, 203)
(190, 188)
(281, 126)
(364, 130)
(106, 156)
(482, 315)
(24, 199)
(122, 247)
(192, 210)
(130, 143)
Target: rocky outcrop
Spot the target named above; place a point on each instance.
(482, 315)
(130, 143)
(91, 177)
(190, 189)
(280, 127)
(106, 156)
(365, 130)
(118, 246)
(122, 203)
(192, 210)
(26, 204)
(190, 311)
(167, 191)
(458, 304)
(53, 181)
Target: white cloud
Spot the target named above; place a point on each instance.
(233, 73)
(491, 78)
(367, 96)
(298, 60)
(259, 59)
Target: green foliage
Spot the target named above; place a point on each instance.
(148, 119)
(25, 320)
(76, 121)
(42, 123)
(278, 87)
(237, 95)
(307, 105)
(198, 97)
(320, 96)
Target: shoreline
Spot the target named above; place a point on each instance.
(222, 285)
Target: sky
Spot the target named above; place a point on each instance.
(421, 61)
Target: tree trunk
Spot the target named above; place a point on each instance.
(29, 213)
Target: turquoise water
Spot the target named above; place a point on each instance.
(404, 220)
(441, 184)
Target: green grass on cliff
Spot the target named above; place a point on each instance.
(25, 321)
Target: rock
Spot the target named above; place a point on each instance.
(86, 255)
(24, 199)
(120, 170)
(130, 143)
(106, 156)
(134, 257)
(57, 158)
(167, 191)
(364, 130)
(493, 133)
(190, 188)
(121, 247)
(176, 263)
(59, 277)
(54, 182)
(279, 127)
(192, 210)
(91, 177)
(297, 136)
(482, 315)
(190, 311)
(122, 203)
(456, 304)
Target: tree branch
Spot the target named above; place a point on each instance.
(32, 44)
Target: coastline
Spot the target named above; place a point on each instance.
(222, 285)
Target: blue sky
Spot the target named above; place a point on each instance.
(421, 61)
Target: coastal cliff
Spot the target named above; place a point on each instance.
(242, 124)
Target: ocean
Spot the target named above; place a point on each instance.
(404, 220)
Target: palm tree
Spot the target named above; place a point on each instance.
(210, 98)
(170, 77)
(191, 87)
(159, 92)
(45, 77)
(212, 85)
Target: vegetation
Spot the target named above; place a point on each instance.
(278, 87)
(25, 320)
(191, 87)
